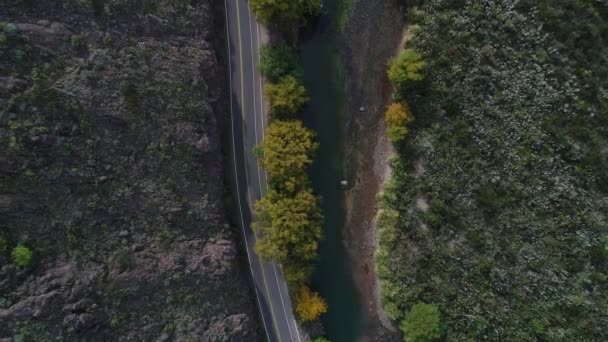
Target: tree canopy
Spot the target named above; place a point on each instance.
(310, 305)
(278, 61)
(406, 69)
(397, 116)
(289, 230)
(288, 149)
(422, 324)
(287, 97)
(284, 12)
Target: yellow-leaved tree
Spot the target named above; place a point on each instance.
(287, 97)
(397, 116)
(287, 151)
(288, 230)
(310, 305)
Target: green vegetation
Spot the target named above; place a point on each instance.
(290, 228)
(285, 13)
(407, 69)
(309, 305)
(321, 339)
(278, 61)
(287, 151)
(22, 256)
(497, 208)
(288, 219)
(397, 116)
(422, 324)
(287, 97)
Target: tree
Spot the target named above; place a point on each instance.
(22, 256)
(321, 339)
(284, 12)
(289, 228)
(287, 97)
(287, 149)
(310, 305)
(406, 69)
(397, 116)
(422, 324)
(277, 62)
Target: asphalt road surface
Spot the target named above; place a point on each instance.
(247, 129)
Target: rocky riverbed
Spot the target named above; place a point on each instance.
(372, 35)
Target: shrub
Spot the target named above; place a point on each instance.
(22, 256)
(310, 305)
(77, 41)
(406, 69)
(397, 116)
(422, 323)
(287, 97)
(277, 62)
(284, 12)
(599, 256)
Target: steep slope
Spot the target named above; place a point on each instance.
(111, 174)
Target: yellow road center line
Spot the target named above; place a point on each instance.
(238, 21)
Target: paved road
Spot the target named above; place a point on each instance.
(247, 125)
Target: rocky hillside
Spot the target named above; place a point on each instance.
(111, 175)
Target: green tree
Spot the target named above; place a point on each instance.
(284, 12)
(422, 324)
(278, 61)
(288, 149)
(321, 339)
(287, 97)
(289, 228)
(22, 256)
(397, 116)
(406, 69)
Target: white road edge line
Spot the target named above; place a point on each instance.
(238, 193)
(253, 74)
(257, 30)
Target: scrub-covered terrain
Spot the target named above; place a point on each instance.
(112, 221)
(497, 210)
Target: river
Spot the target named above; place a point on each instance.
(344, 320)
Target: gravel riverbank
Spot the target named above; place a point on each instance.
(372, 35)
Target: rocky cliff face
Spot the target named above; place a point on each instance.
(111, 174)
